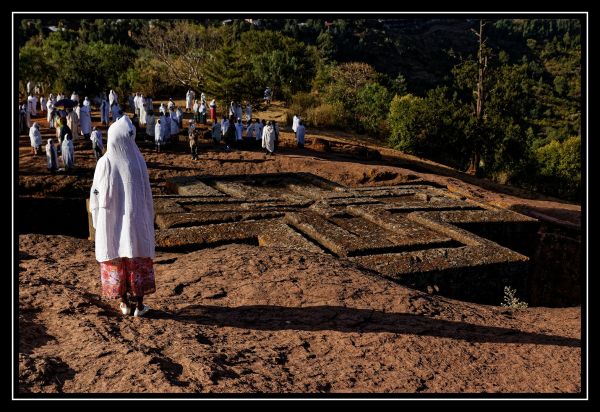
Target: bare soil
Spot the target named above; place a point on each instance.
(242, 318)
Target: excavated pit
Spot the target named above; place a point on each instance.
(419, 235)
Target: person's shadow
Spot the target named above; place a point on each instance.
(342, 319)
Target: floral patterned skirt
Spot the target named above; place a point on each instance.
(121, 275)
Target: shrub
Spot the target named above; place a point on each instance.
(511, 300)
(325, 115)
(560, 166)
(301, 104)
(372, 107)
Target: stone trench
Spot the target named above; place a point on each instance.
(419, 235)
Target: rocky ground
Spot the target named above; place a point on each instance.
(241, 318)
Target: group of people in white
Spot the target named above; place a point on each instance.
(72, 118)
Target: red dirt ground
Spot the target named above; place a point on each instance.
(241, 318)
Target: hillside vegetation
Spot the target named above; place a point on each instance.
(409, 82)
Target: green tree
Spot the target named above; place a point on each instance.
(372, 107)
(280, 62)
(183, 48)
(228, 76)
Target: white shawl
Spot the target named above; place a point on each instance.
(121, 198)
(35, 136)
(268, 138)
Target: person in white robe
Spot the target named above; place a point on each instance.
(250, 130)
(73, 122)
(123, 216)
(143, 110)
(295, 121)
(216, 133)
(51, 156)
(75, 97)
(42, 104)
(162, 109)
(158, 134)
(300, 132)
(248, 113)
(112, 98)
(276, 129)
(115, 110)
(87, 103)
(203, 98)
(22, 119)
(179, 116)
(213, 111)
(150, 123)
(239, 130)
(189, 99)
(97, 145)
(171, 104)
(238, 111)
(85, 120)
(259, 129)
(165, 127)
(77, 111)
(68, 153)
(29, 87)
(173, 115)
(35, 138)
(104, 111)
(60, 97)
(136, 104)
(224, 124)
(232, 109)
(268, 138)
(27, 109)
(196, 111)
(32, 103)
(202, 113)
(174, 126)
(49, 110)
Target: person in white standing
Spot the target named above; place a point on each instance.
(35, 138)
(97, 145)
(189, 100)
(104, 111)
(50, 109)
(248, 113)
(268, 138)
(51, 156)
(32, 104)
(158, 133)
(300, 132)
(85, 120)
(239, 132)
(112, 98)
(143, 111)
(123, 216)
(295, 121)
(68, 153)
(150, 124)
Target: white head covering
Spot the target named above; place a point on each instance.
(121, 198)
(51, 154)
(35, 136)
